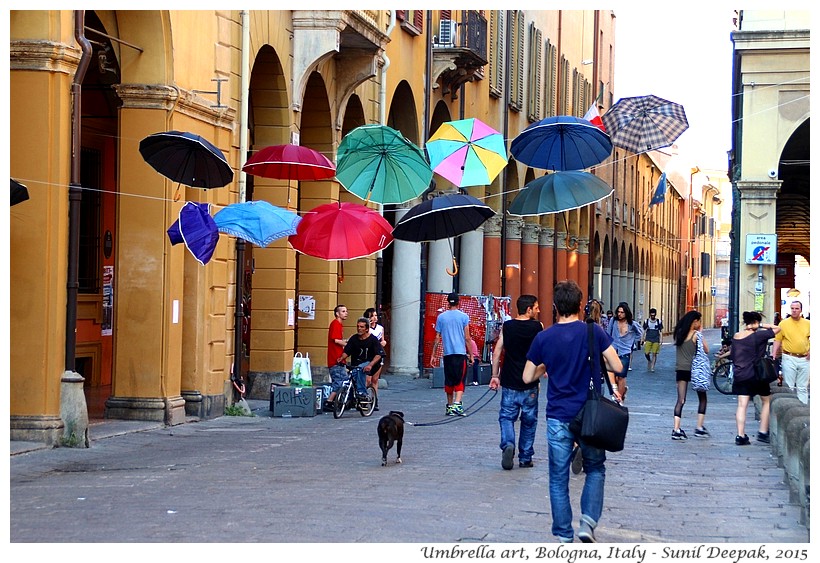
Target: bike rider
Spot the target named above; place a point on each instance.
(364, 351)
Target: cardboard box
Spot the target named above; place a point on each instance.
(292, 401)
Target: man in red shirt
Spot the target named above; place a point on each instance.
(335, 348)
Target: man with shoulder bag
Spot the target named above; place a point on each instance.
(562, 352)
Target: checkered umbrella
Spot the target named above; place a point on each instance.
(644, 123)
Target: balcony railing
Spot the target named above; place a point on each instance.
(459, 51)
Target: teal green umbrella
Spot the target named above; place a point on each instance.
(557, 192)
(377, 163)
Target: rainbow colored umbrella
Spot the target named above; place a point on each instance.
(467, 152)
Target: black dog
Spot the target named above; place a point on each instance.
(391, 429)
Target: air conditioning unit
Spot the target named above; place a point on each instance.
(447, 33)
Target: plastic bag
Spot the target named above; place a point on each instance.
(300, 375)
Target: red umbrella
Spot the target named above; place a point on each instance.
(341, 231)
(290, 162)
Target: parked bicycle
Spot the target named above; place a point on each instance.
(347, 398)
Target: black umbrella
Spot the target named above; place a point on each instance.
(186, 158)
(19, 192)
(442, 217)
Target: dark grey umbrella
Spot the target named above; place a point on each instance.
(442, 217)
(19, 192)
(186, 158)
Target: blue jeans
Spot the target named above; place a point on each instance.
(559, 447)
(625, 361)
(514, 402)
(361, 379)
(338, 375)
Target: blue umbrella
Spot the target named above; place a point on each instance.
(557, 192)
(258, 222)
(196, 228)
(561, 143)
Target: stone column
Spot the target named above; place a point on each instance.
(561, 272)
(546, 274)
(583, 265)
(471, 262)
(512, 269)
(758, 206)
(529, 259)
(439, 260)
(491, 282)
(406, 307)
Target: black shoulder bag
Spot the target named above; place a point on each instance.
(602, 422)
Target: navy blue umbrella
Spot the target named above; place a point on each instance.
(197, 229)
(186, 158)
(563, 142)
(442, 217)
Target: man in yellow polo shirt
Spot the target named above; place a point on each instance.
(793, 342)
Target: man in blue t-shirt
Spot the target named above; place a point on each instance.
(453, 330)
(561, 352)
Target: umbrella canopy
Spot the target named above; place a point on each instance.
(442, 217)
(197, 229)
(290, 162)
(186, 158)
(563, 142)
(341, 231)
(376, 163)
(468, 152)
(645, 123)
(258, 222)
(560, 191)
(19, 192)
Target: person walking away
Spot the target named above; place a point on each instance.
(624, 332)
(335, 346)
(453, 333)
(376, 330)
(561, 353)
(652, 338)
(606, 321)
(793, 342)
(365, 351)
(517, 398)
(476, 356)
(747, 346)
(686, 335)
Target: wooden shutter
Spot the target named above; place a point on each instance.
(534, 75)
(496, 49)
(418, 19)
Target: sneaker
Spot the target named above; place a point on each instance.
(458, 410)
(327, 406)
(585, 533)
(449, 411)
(577, 460)
(702, 432)
(763, 437)
(679, 434)
(507, 457)
(742, 441)
(525, 464)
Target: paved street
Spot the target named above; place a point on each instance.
(263, 479)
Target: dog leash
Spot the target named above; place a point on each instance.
(468, 411)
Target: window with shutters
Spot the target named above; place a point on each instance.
(517, 60)
(551, 87)
(563, 101)
(411, 21)
(534, 79)
(496, 52)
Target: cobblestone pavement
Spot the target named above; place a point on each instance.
(264, 479)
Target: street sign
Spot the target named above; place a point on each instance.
(761, 250)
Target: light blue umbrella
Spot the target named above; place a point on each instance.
(257, 222)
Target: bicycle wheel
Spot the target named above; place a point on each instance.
(340, 403)
(722, 378)
(366, 407)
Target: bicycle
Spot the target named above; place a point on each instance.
(723, 376)
(347, 398)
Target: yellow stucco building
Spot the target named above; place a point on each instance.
(98, 289)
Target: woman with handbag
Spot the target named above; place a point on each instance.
(749, 346)
(690, 354)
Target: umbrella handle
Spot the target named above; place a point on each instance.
(340, 272)
(455, 268)
(177, 194)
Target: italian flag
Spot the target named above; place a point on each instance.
(594, 117)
